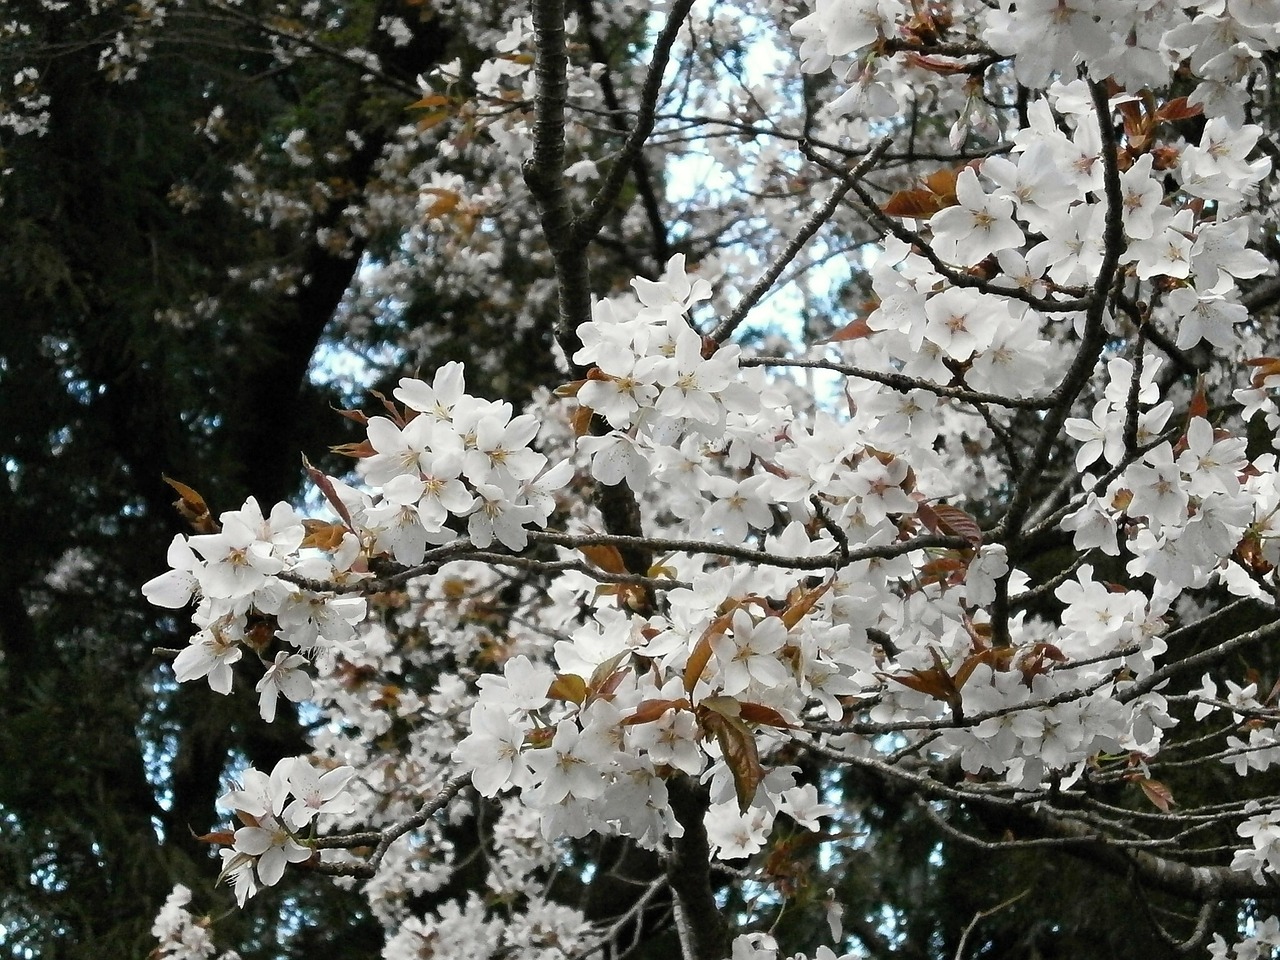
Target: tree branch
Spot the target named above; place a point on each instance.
(588, 225)
(384, 838)
(798, 242)
(704, 934)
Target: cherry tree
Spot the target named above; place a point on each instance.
(931, 444)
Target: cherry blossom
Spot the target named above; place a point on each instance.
(981, 225)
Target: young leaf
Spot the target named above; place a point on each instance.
(855, 329)
(912, 204)
(357, 451)
(725, 706)
(605, 556)
(429, 101)
(356, 416)
(1199, 405)
(223, 837)
(581, 420)
(648, 711)
(1179, 109)
(765, 716)
(701, 654)
(1157, 793)
(797, 611)
(330, 493)
(932, 682)
(323, 536)
(738, 745)
(949, 521)
(191, 506)
(1264, 368)
(568, 687)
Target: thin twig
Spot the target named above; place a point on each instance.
(798, 242)
(383, 839)
(588, 224)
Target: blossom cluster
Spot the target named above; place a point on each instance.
(456, 459)
(1138, 44)
(1263, 942)
(182, 936)
(280, 813)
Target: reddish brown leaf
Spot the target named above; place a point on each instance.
(941, 65)
(1136, 123)
(1179, 109)
(392, 410)
(697, 662)
(970, 664)
(1199, 406)
(321, 535)
(921, 681)
(1249, 552)
(330, 493)
(1264, 367)
(429, 101)
(569, 389)
(605, 556)
(701, 654)
(581, 420)
(943, 569)
(1037, 659)
(949, 521)
(648, 711)
(853, 330)
(355, 415)
(356, 450)
(608, 686)
(607, 671)
(759, 713)
(224, 837)
(721, 704)
(932, 682)
(1157, 793)
(800, 609)
(191, 506)
(433, 119)
(942, 183)
(738, 745)
(914, 204)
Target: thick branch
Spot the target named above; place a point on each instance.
(1198, 884)
(544, 173)
(704, 935)
(1094, 331)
